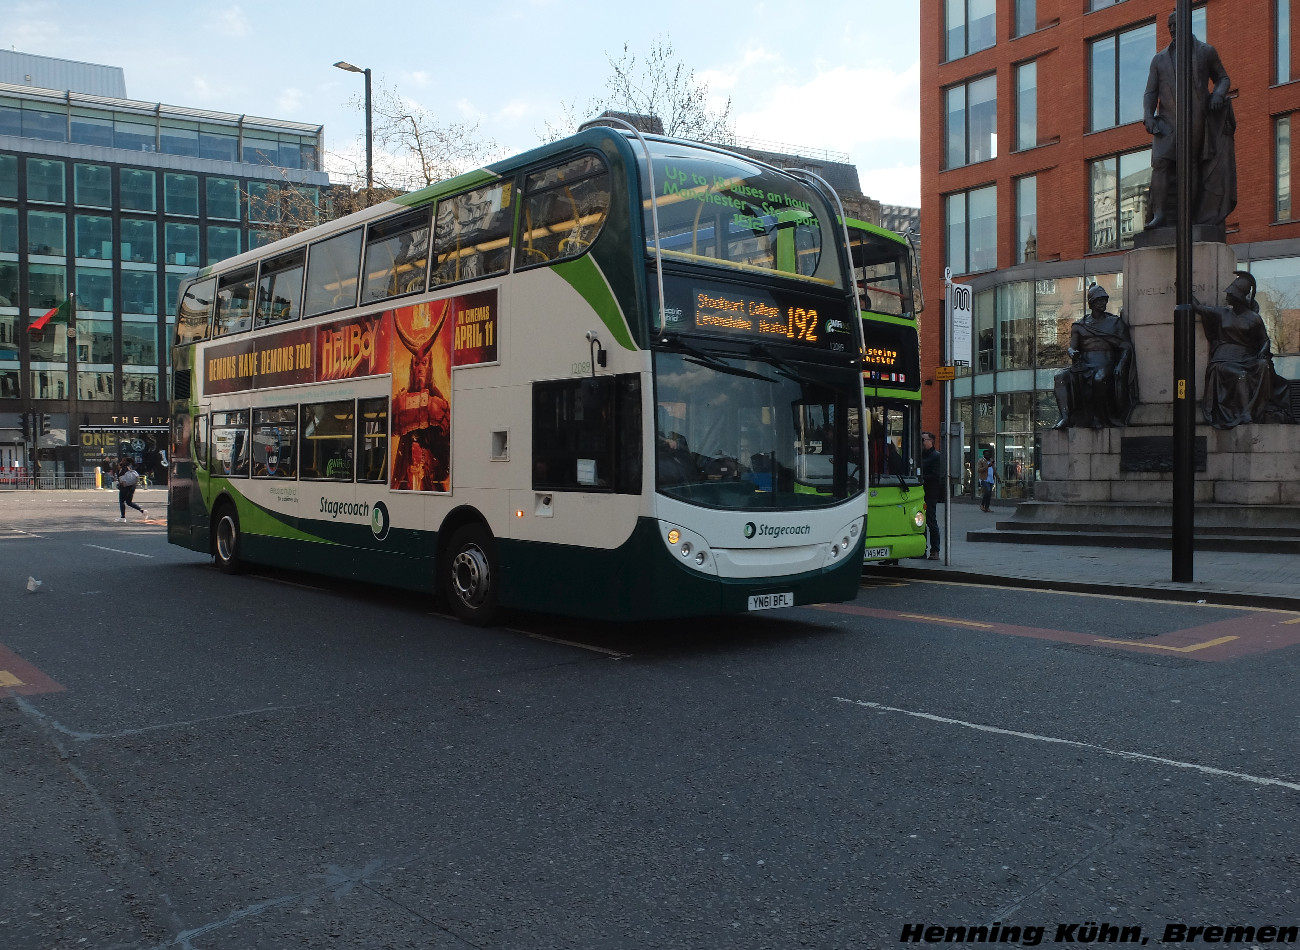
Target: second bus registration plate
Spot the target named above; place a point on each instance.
(771, 601)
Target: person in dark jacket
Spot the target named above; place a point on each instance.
(932, 481)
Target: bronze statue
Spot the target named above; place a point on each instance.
(1099, 388)
(1241, 385)
(1213, 125)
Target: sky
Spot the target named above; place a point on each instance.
(841, 75)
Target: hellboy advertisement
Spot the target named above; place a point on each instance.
(417, 345)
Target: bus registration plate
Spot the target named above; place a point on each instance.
(875, 552)
(771, 601)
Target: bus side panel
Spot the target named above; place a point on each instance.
(642, 581)
(387, 568)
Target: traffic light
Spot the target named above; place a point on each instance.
(45, 423)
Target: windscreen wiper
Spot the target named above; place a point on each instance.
(676, 344)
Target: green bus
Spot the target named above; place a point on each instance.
(594, 379)
(891, 380)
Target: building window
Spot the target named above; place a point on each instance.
(45, 181)
(1094, 5)
(8, 176)
(135, 133)
(92, 186)
(1282, 167)
(139, 241)
(1120, 65)
(972, 129)
(222, 243)
(140, 343)
(223, 198)
(1027, 105)
(182, 244)
(1279, 303)
(95, 341)
(181, 195)
(1282, 41)
(971, 26)
(140, 292)
(972, 230)
(179, 138)
(8, 231)
(47, 234)
(137, 190)
(1026, 17)
(1015, 304)
(985, 317)
(91, 127)
(218, 141)
(1119, 198)
(1026, 219)
(94, 291)
(94, 238)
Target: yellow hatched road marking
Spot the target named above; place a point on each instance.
(8, 679)
(1189, 649)
(1296, 620)
(960, 623)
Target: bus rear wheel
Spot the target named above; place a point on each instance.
(226, 540)
(470, 576)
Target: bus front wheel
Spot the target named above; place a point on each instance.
(226, 540)
(470, 576)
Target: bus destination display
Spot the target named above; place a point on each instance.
(727, 312)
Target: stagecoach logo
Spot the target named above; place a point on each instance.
(379, 521)
(775, 531)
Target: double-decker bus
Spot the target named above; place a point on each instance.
(617, 377)
(891, 380)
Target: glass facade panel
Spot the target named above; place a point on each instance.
(971, 26)
(139, 291)
(179, 138)
(139, 241)
(182, 244)
(181, 194)
(1026, 17)
(8, 230)
(1282, 168)
(140, 344)
(1026, 219)
(92, 186)
(218, 141)
(223, 198)
(972, 122)
(222, 243)
(956, 232)
(48, 383)
(1013, 454)
(94, 289)
(955, 102)
(1120, 65)
(263, 202)
(48, 284)
(95, 385)
(9, 284)
(261, 151)
(45, 122)
(47, 233)
(1057, 305)
(11, 116)
(138, 190)
(8, 176)
(1015, 305)
(1278, 295)
(1027, 105)
(983, 237)
(1282, 41)
(1134, 182)
(92, 128)
(984, 318)
(1105, 213)
(135, 133)
(139, 387)
(9, 331)
(95, 341)
(94, 237)
(45, 181)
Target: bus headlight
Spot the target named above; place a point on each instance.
(839, 546)
(918, 519)
(689, 548)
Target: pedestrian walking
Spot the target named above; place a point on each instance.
(986, 480)
(127, 477)
(932, 480)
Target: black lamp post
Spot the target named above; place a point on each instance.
(370, 157)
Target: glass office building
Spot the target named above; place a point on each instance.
(114, 201)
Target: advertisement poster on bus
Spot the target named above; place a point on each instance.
(421, 382)
(353, 348)
(475, 323)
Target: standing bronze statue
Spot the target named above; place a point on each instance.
(1213, 125)
(1099, 388)
(1241, 385)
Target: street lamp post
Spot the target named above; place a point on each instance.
(370, 156)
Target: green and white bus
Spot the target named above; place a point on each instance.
(891, 379)
(474, 390)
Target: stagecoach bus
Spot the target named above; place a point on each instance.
(891, 380)
(617, 377)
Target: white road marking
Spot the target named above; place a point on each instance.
(1208, 770)
(570, 643)
(118, 550)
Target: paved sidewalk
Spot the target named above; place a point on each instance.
(1220, 577)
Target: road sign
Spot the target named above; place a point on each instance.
(945, 372)
(961, 308)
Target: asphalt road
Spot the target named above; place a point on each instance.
(279, 760)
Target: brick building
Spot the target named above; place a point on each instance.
(1035, 165)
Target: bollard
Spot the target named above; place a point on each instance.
(99, 477)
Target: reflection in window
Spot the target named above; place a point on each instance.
(137, 188)
(139, 241)
(1015, 303)
(139, 291)
(279, 291)
(328, 431)
(223, 198)
(8, 176)
(47, 286)
(234, 302)
(92, 186)
(95, 384)
(139, 387)
(94, 237)
(564, 208)
(1278, 295)
(397, 255)
(1119, 198)
(332, 273)
(1281, 41)
(47, 233)
(984, 318)
(139, 343)
(182, 244)
(230, 444)
(94, 341)
(1026, 17)
(971, 26)
(1026, 219)
(181, 193)
(222, 243)
(373, 465)
(194, 310)
(972, 133)
(45, 180)
(1027, 105)
(1282, 168)
(94, 289)
(972, 230)
(472, 234)
(275, 442)
(1120, 64)
(8, 230)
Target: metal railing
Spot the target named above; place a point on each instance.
(77, 480)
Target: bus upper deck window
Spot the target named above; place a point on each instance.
(279, 290)
(194, 311)
(332, 269)
(564, 209)
(234, 302)
(471, 236)
(397, 256)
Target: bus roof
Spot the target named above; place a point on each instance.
(875, 229)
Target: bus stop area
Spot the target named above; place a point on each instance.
(1239, 578)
